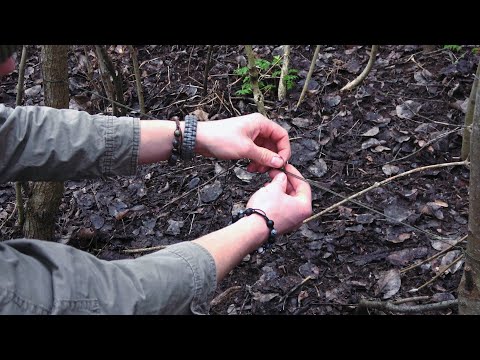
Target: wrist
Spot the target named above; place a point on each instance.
(255, 229)
(200, 146)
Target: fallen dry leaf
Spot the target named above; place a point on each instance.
(389, 283)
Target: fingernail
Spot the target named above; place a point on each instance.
(277, 162)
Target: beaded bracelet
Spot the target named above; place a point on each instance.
(270, 223)
(177, 143)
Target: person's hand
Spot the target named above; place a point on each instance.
(285, 200)
(7, 66)
(250, 136)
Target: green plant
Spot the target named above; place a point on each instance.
(476, 50)
(269, 75)
(453, 47)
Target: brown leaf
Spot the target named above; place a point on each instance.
(201, 115)
(121, 214)
(372, 132)
(389, 283)
(441, 203)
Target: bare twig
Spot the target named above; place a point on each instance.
(20, 91)
(406, 309)
(292, 290)
(363, 75)
(442, 271)
(138, 78)
(381, 183)
(309, 75)
(21, 76)
(111, 80)
(224, 295)
(372, 209)
(196, 188)
(410, 299)
(433, 256)
(207, 70)
(139, 250)
(9, 217)
(424, 146)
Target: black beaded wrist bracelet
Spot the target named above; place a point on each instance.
(177, 143)
(270, 223)
(188, 146)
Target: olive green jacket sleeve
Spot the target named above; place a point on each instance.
(42, 143)
(38, 277)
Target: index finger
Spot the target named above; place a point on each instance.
(273, 132)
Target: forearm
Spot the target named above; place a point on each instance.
(156, 137)
(228, 246)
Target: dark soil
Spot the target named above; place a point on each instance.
(360, 137)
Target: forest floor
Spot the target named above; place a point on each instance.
(408, 113)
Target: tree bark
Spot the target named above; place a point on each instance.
(282, 87)
(252, 69)
(45, 198)
(467, 130)
(469, 287)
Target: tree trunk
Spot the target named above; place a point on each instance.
(46, 196)
(467, 130)
(469, 288)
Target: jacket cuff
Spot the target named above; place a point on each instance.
(122, 142)
(204, 273)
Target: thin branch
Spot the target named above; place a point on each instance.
(196, 188)
(433, 256)
(365, 72)
(21, 76)
(224, 295)
(309, 75)
(381, 183)
(424, 146)
(18, 102)
(207, 70)
(442, 271)
(139, 250)
(293, 289)
(406, 309)
(9, 217)
(138, 78)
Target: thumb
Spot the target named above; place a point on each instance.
(265, 157)
(280, 181)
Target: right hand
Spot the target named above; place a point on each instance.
(285, 200)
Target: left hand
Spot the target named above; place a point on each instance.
(250, 136)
